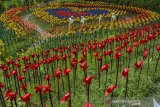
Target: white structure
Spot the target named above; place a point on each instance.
(155, 103)
(113, 17)
(71, 20)
(100, 18)
(82, 20)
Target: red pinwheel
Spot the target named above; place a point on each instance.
(20, 78)
(24, 70)
(14, 72)
(96, 54)
(110, 89)
(46, 88)
(135, 44)
(82, 59)
(118, 48)
(145, 54)
(47, 77)
(26, 97)
(1, 85)
(158, 48)
(88, 105)
(105, 67)
(125, 73)
(57, 74)
(11, 95)
(84, 65)
(24, 86)
(5, 68)
(38, 89)
(129, 50)
(118, 55)
(88, 80)
(139, 64)
(66, 71)
(65, 98)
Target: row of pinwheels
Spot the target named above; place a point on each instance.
(58, 16)
(64, 69)
(12, 21)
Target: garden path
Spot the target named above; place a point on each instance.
(44, 34)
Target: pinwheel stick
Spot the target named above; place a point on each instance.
(2, 98)
(126, 86)
(69, 101)
(88, 86)
(58, 88)
(139, 78)
(157, 63)
(40, 94)
(117, 72)
(15, 102)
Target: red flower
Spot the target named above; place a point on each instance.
(145, 54)
(65, 97)
(47, 77)
(117, 55)
(20, 78)
(158, 48)
(26, 97)
(88, 105)
(84, 65)
(66, 71)
(139, 64)
(110, 89)
(105, 67)
(88, 80)
(125, 73)
(38, 89)
(11, 95)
